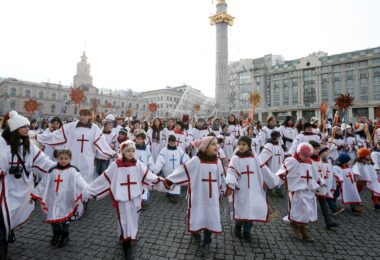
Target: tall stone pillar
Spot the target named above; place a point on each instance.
(221, 20)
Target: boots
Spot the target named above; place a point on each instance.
(237, 230)
(306, 234)
(3, 250)
(56, 233)
(296, 230)
(128, 253)
(64, 235)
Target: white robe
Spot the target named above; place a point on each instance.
(198, 135)
(170, 160)
(206, 182)
(15, 193)
(325, 173)
(349, 191)
(60, 193)
(255, 144)
(145, 157)
(368, 175)
(156, 144)
(83, 143)
(272, 156)
(248, 181)
(375, 156)
(49, 150)
(335, 148)
(229, 145)
(182, 141)
(125, 185)
(111, 140)
(234, 130)
(288, 132)
(302, 182)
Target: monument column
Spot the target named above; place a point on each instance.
(221, 20)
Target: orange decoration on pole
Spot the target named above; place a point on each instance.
(77, 96)
(324, 108)
(152, 107)
(254, 99)
(31, 106)
(197, 108)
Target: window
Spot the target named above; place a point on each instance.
(41, 95)
(349, 65)
(295, 91)
(325, 89)
(363, 73)
(375, 61)
(337, 88)
(349, 75)
(122, 104)
(245, 77)
(13, 92)
(325, 77)
(376, 71)
(52, 109)
(325, 69)
(276, 93)
(286, 93)
(309, 94)
(27, 93)
(337, 76)
(350, 87)
(363, 63)
(13, 104)
(336, 67)
(53, 97)
(64, 97)
(363, 87)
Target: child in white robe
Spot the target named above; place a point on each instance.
(368, 175)
(375, 156)
(180, 135)
(229, 142)
(169, 159)
(347, 178)
(204, 175)
(144, 155)
(301, 181)
(255, 140)
(60, 193)
(101, 161)
(247, 183)
(124, 180)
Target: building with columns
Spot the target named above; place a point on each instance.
(297, 87)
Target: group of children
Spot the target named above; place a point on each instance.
(238, 167)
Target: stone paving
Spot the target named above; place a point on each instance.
(163, 235)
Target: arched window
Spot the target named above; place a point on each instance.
(53, 96)
(13, 92)
(122, 104)
(13, 104)
(52, 109)
(41, 95)
(27, 93)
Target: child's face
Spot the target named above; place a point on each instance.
(170, 123)
(172, 143)
(129, 154)
(226, 130)
(243, 147)
(304, 158)
(200, 124)
(139, 140)
(55, 125)
(178, 127)
(213, 148)
(136, 126)
(108, 127)
(63, 160)
(84, 118)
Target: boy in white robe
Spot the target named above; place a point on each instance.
(59, 193)
(247, 183)
(301, 181)
(349, 192)
(144, 155)
(102, 162)
(304, 137)
(169, 159)
(368, 175)
(83, 138)
(124, 180)
(180, 135)
(199, 131)
(204, 175)
(229, 142)
(323, 191)
(273, 156)
(288, 132)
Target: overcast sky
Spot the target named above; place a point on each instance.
(150, 44)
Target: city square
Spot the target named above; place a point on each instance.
(218, 130)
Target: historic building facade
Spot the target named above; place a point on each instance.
(298, 87)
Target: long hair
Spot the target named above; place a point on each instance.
(156, 130)
(15, 140)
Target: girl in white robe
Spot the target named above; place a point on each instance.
(229, 142)
(157, 138)
(204, 175)
(124, 180)
(301, 181)
(16, 177)
(368, 176)
(59, 193)
(169, 159)
(247, 183)
(349, 192)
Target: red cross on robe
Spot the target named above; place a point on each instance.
(248, 172)
(349, 175)
(307, 177)
(128, 183)
(57, 181)
(82, 141)
(210, 181)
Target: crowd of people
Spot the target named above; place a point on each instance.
(63, 165)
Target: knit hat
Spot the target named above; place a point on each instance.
(123, 131)
(140, 134)
(274, 135)
(16, 121)
(203, 143)
(172, 138)
(110, 117)
(363, 152)
(85, 111)
(305, 149)
(322, 150)
(343, 158)
(127, 145)
(313, 120)
(246, 140)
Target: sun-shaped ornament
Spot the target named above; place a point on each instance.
(152, 107)
(197, 108)
(31, 106)
(255, 98)
(344, 101)
(77, 95)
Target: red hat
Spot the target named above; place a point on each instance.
(363, 152)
